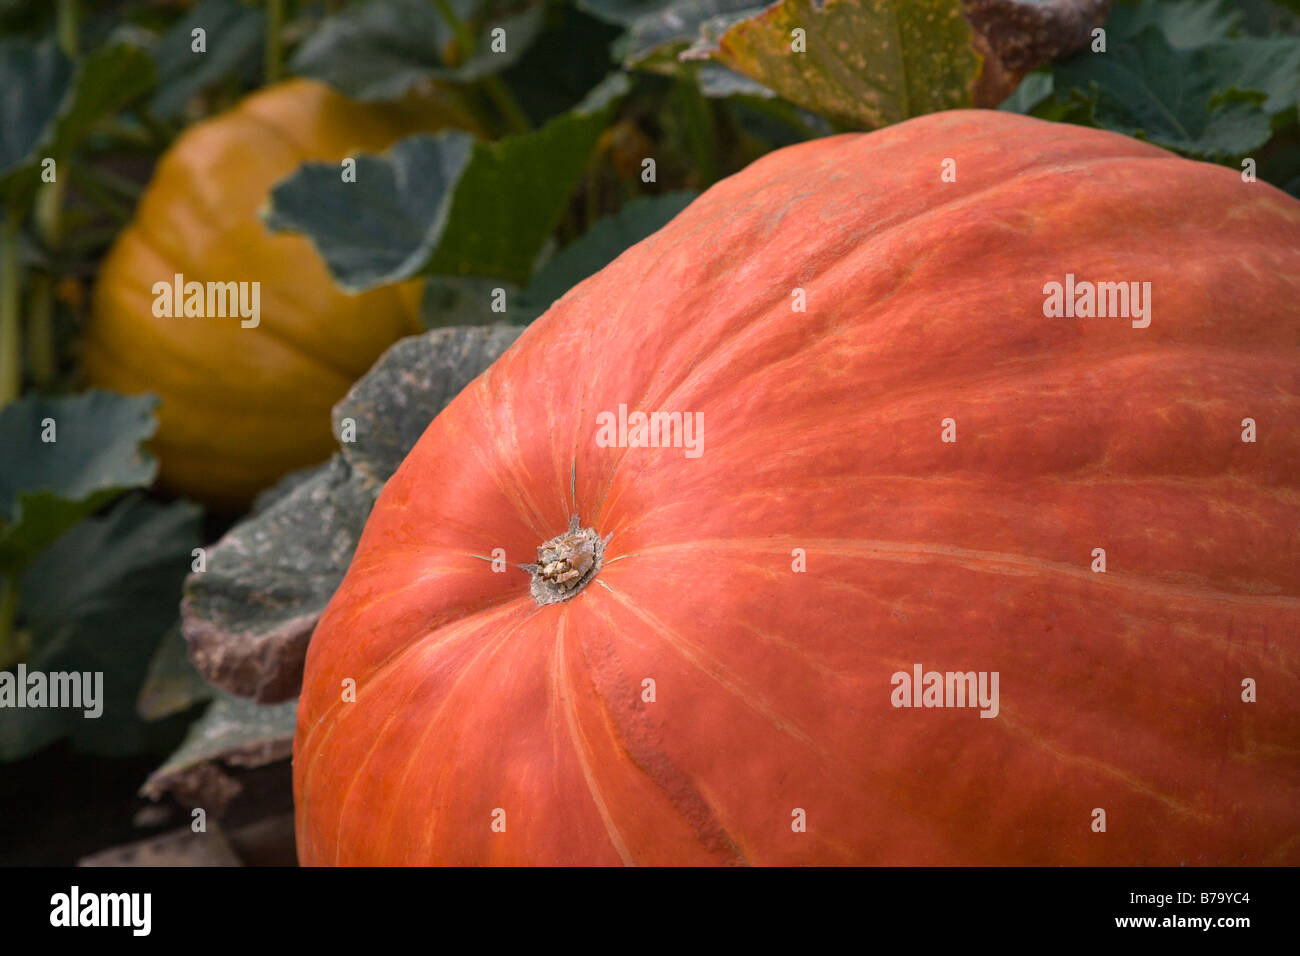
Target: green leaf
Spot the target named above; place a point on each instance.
(1211, 102)
(26, 16)
(379, 50)
(50, 109)
(464, 300)
(1291, 5)
(47, 487)
(717, 82)
(625, 12)
(657, 32)
(1279, 161)
(566, 78)
(868, 63)
(387, 225)
(171, 685)
(35, 78)
(1250, 65)
(100, 600)
(108, 80)
(1184, 23)
(774, 123)
(1033, 90)
(233, 39)
(447, 203)
(248, 617)
(604, 242)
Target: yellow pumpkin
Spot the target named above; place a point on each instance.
(243, 406)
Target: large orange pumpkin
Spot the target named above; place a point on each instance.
(242, 406)
(829, 538)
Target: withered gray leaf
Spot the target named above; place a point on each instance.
(410, 384)
(249, 616)
(181, 847)
(232, 733)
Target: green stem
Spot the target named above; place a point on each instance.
(48, 211)
(785, 113)
(591, 194)
(90, 241)
(41, 366)
(10, 299)
(274, 47)
(567, 230)
(106, 194)
(701, 132)
(505, 101)
(492, 84)
(160, 133)
(458, 28)
(139, 137)
(66, 28)
(48, 221)
(127, 189)
(48, 218)
(11, 644)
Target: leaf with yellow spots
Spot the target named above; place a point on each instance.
(864, 63)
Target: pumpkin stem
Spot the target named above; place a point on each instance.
(273, 52)
(566, 563)
(66, 29)
(13, 645)
(11, 368)
(48, 218)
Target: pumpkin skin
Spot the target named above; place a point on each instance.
(1119, 690)
(242, 406)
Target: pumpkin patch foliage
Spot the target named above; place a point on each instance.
(671, 432)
